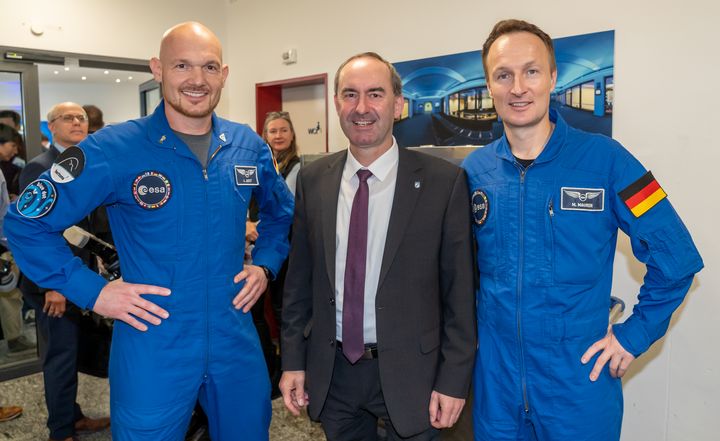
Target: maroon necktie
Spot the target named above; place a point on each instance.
(354, 290)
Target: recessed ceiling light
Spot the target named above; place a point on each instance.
(130, 78)
(117, 80)
(67, 68)
(106, 72)
(83, 78)
(56, 72)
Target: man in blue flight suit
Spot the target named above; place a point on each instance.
(547, 203)
(176, 186)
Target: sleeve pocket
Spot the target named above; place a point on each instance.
(673, 250)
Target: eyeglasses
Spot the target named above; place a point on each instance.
(69, 118)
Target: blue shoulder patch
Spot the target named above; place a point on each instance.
(37, 199)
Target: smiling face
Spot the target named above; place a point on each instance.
(366, 105)
(520, 79)
(191, 72)
(279, 135)
(65, 124)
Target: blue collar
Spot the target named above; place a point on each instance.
(552, 148)
(161, 135)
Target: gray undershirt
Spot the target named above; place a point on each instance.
(198, 144)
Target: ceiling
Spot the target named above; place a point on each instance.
(74, 74)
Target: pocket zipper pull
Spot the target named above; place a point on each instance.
(550, 209)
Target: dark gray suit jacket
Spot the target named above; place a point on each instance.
(425, 302)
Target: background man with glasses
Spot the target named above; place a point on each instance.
(57, 318)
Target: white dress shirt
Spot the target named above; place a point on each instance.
(381, 186)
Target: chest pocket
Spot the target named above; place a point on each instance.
(146, 224)
(580, 231)
(239, 178)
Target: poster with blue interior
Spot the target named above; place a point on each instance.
(447, 101)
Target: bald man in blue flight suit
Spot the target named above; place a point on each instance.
(547, 203)
(176, 186)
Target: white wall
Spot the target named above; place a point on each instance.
(666, 113)
(119, 102)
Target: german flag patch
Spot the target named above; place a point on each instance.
(643, 194)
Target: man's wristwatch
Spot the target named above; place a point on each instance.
(268, 274)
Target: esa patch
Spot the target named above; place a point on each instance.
(480, 207)
(151, 190)
(582, 199)
(246, 175)
(68, 165)
(37, 199)
(643, 194)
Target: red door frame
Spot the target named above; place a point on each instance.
(268, 98)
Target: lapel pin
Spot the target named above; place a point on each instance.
(417, 184)
(162, 139)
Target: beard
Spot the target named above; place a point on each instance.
(186, 109)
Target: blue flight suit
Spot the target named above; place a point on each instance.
(546, 239)
(179, 226)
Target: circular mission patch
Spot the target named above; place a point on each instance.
(37, 199)
(151, 190)
(480, 206)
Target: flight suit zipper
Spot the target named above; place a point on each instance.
(521, 263)
(207, 270)
(204, 171)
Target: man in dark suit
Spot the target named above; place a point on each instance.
(378, 307)
(57, 318)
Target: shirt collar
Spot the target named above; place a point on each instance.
(380, 168)
(58, 147)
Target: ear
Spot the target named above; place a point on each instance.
(398, 106)
(553, 80)
(225, 73)
(156, 68)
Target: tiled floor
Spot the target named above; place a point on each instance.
(94, 396)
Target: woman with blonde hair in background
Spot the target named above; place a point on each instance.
(279, 134)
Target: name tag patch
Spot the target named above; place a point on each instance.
(151, 190)
(582, 199)
(246, 175)
(37, 199)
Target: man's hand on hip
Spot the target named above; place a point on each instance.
(613, 352)
(122, 301)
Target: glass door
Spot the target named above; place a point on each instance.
(19, 108)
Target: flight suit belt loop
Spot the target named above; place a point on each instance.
(371, 351)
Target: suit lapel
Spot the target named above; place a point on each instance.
(330, 189)
(407, 190)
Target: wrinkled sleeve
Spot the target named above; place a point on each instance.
(661, 241)
(459, 334)
(276, 206)
(37, 243)
(297, 295)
